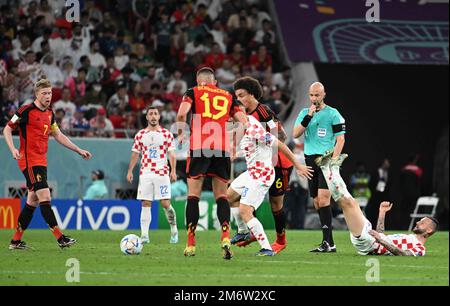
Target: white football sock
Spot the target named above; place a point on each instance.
(242, 227)
(146, 219)
(335, 183)
(258, 231)
(172, 219)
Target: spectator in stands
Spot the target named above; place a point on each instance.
(242, 35)
(65, 103)
(226, 75)
(100, 125)
(143, 60)
(215, 58)
(237, 19)
(237, 57)
(219, 35)
(142, 11)
(77, 85)
(176, 78)
(52, 71)
(93, 73)
(97, 190)
(380, 189)
(261, 65)
(175, 97)
(29, 73)
(258, 16)
(78, 122)
(283, 80)
(266, 36)
(163, 29)
(97, 59)
(95, 97)
(110, 75)
(119, 102)
(136, 99)
(59, 116)
(121, 59)
(168, 115)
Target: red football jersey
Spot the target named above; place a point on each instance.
(211, 109)
(264, 114)
(34, 125)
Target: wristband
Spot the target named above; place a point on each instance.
(306, 120)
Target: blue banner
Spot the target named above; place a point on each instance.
(96, 215)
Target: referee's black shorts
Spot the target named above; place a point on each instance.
(318, 180)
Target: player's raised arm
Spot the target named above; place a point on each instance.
(384, 208)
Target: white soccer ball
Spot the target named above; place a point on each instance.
(131, 245)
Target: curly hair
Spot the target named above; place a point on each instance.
(251, 85)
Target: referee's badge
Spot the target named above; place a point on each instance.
(321, 132)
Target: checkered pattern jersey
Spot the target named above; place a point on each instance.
(404, 242)
(257, 147)
(153, 147)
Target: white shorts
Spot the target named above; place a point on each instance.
(365, 244)
(252, 191)
(154, 187)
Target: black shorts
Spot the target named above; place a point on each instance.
(281, 183)
(318, 180)
(214, 166)
(36, 178)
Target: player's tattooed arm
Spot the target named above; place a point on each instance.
(389, 246)
(380, 223)
(384, 208)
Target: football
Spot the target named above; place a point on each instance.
(131, 245)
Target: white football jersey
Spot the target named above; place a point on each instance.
(153, 147)
(257, 147)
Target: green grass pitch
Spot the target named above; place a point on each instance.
(160, 263)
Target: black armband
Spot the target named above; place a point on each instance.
(306, 120)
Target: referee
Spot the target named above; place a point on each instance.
(324, 130)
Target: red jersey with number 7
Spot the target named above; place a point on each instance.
(211, 109)
(34, 126)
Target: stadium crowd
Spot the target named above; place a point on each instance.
(126, 55)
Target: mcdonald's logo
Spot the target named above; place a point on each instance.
(9, 212)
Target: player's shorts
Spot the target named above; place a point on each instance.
(365, 244)
(281, 183)
(252, 191)
(215, 166)
(154, 187)
(36, 178)
(318, 180)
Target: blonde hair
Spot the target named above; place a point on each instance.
(41, 84)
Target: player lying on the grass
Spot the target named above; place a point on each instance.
(250, 188)
(154, 143)
(36, 122)
(364, 239)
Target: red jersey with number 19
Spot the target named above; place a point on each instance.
(211, 109)
(34, 125)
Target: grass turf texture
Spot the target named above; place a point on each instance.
(161, 263)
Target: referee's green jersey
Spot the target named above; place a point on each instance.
(321, 132)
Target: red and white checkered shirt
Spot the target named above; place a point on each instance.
(257, 146)
(153, 147)
(402, 241)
